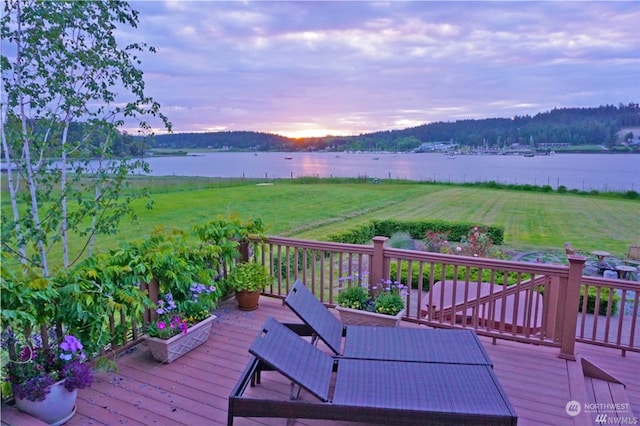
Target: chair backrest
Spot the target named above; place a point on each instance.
(295, 358)
(634, 253)
(313, 313)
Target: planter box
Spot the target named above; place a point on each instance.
(357, 317)
(171, 349)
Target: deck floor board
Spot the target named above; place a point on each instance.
(194, 389)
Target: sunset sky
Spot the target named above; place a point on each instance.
(304, 68)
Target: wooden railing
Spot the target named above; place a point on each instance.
(618, 323)
(540, 303)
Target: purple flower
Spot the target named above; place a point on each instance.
(76, 375)
(161, 325)
(71, 344)
(33, 389)
(26, 353)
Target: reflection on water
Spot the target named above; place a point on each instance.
(602, 172)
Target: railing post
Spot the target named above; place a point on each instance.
(376, 268)
(153, 289)
(243, 250)
(551, 300)
(570, 313)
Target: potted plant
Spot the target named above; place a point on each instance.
(248, 279)
(52, 325)
(45, 380)
(181, 325)
(382, 305)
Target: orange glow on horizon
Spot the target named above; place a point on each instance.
(310, 133)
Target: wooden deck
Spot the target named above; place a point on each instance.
(194, 389)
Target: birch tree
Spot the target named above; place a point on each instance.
(62, 65)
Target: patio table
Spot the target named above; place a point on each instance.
(625, 271)
(415, 345)
(600, 254)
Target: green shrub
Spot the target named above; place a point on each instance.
(604, 301)
(401, 240)
(249, 276)
(415, 275)
(427, 271)
(287, 263)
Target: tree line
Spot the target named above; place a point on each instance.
(572, 126)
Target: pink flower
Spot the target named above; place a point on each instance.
(161, 325)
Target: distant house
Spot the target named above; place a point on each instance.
(435, 147)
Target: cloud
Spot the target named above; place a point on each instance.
(354, 67)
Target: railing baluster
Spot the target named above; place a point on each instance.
(537, 309)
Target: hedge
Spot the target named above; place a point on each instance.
(604, 301)
(417, 229)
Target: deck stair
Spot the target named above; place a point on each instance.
(602, 397)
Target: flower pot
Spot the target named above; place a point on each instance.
(171, 349)
(247, 300)
(57, 407)
(358, 317)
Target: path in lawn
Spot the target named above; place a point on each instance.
(531, 220)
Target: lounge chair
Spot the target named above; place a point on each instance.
(379, 391)
(417, 344)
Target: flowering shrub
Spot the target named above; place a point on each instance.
(175, 317)
(386, 297)
(437, 242)
(38, 368)
(476, 243)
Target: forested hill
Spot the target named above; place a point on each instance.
(573, 126)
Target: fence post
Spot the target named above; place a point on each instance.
(377, 266)
(570, 310)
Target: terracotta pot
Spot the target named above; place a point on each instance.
(57, 407)
(357, 317)
(248, 300)
(168, 350)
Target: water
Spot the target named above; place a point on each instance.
(602, 172)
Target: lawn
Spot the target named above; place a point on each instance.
(315, 209)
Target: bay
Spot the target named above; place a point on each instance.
(601, 172)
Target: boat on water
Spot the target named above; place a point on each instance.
(529, 154)
(288, 158)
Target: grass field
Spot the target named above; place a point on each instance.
(313, 210)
